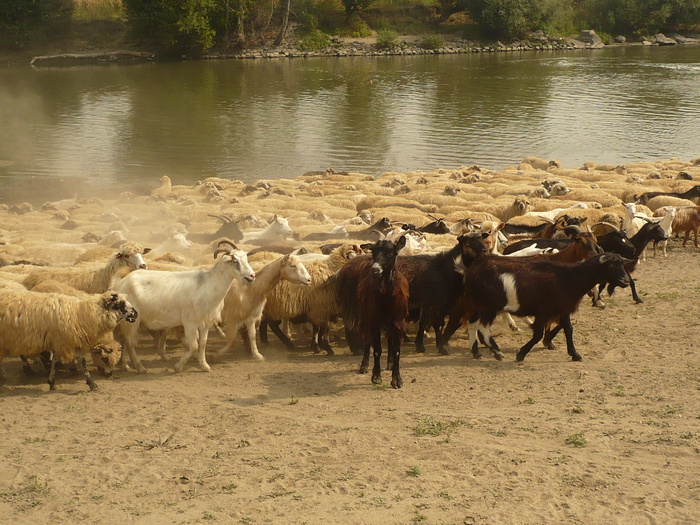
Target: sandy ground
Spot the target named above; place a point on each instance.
(302, 438)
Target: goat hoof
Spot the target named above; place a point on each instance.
(498, 356)
(445, 350)
(27, 370)
(362, 370)
(330, 352)
(550, 346)
(396, 383)
(420, 349)
(638, 300)
(377, 380)
(478, 355)
(576, 357)
(519, 358)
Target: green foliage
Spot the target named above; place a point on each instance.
(315, 40)
(432, 42)
(177, 24)
(357, 28)
(353, 6)
(388, 39)
(511, 19)
(640, 16)
(24, 21)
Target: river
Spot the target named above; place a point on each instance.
(97, 128)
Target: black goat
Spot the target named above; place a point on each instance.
(438, 226)
(542, 289)
(373, 296)
(435, 285)
(228, 229)
(651, 231)
(692, 193)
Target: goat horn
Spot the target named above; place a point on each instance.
(222, 218)
(226, 241)
(432, 217)
(607, 224)
(220, 250)
(380, 235)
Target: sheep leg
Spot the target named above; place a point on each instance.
(314, 339)
(203, 333)
(52, 372)
(537, 334)
(263, 333)
(129, 337)
(26, 367)
(3, 375)
(82, 363)
(394, 344)
(377, 349)
(250, 333)
(420, 346)
(275, 326)
(565, 322)
(323, 340)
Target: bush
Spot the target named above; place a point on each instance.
(432, 42)
(388, 39)
(22, 22)
(315, 40)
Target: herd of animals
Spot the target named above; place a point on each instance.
(393, 256)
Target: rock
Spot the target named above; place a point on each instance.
(589, 36)
(620, 39)
(663, 40)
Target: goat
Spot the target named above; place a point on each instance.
(687, 220)
(229, 230)
(277, 230)
(651, 231)
(667, 216)
(437, 227)
(543, 289)
(244, 302)
(435, 286)
(66, 326)
(192, 299)
(373, 296)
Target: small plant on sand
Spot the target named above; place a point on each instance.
(432, 427)
(413, 471)
(577, 440)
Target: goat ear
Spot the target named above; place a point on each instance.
(146, 250)
(400, 243)
(366, 246)
(485, 235)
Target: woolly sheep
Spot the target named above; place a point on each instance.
(666, 200)
(33, 322)
(90, 279)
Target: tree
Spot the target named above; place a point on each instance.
(22, 21)
(354, 6)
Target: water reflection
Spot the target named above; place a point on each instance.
(280, 118)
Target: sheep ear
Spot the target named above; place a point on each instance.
(400, 243)
(146, 250)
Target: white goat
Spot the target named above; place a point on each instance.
(192, 299)
(277, 230)
(244, 302)
(176, 243)
(552, 214)
(667, 215)
(68, 327)
(532, 250)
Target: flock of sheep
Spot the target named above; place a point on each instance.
(85, 277)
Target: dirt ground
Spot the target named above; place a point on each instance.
(302, 438)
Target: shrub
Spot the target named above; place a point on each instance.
(388, 39)
(22, 22)
(314, 40)
(432, 42)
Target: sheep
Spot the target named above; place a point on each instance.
(373, 296)
(191, 299)
(176, 243)
(517, 285)
(68, 327)
(667, 200)
(130, 255)
(244, 302)
(277, 230)
(313, 303)
(520, 206)
(164, 190)
(541, 164)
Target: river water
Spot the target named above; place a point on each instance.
(93, 128)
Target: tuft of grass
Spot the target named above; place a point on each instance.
(432, 427)
(28, 496)
(89, 10)
(577, 440)
(413, 471)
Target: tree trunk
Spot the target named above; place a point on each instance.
(285, 22)
(240, 30)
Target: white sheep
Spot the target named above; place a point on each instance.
(68, 327)
(176, 243)
(92, 279)
(244, 302)
(192, 299)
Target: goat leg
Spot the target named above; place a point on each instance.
(323, 338)
(565, 322)
(275, 326)
(537, 333)
(377, 348)
(394, 344)
(443, 348)
(420, 346)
